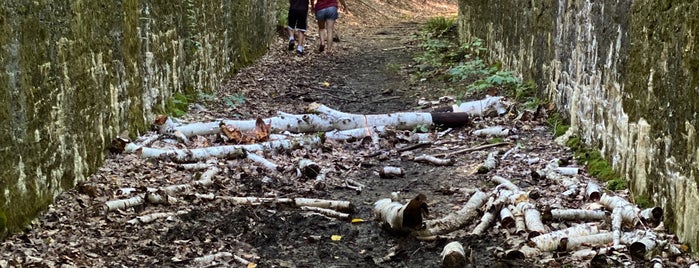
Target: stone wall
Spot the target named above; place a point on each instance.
(625, 72)
(74, 74)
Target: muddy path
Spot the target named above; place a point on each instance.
(369, 73)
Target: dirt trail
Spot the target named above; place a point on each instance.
(369, 73)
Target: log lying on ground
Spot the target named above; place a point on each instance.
(402, 217)
(455, 256)
(574, 214)
(490, 163)
(148, 218)
(269, 165)
(325, 119)
(592, 191)
(532, 219)
(434, 160)
(629, 212)
(162, 195)
(391, 172)
(486, 106)
(496, 131)
(550, 241)
(652, 215)
(343, 206)
(308, 168)
(455, 220)
(355, 134)
(228, 152)
(327, 212)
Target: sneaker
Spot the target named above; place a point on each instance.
(321, 48)
(291, 45)
(300, 53)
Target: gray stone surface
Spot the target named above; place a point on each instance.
(75, 74)
(625, 72)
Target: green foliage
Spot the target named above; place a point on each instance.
(282, 12)
(559, 126)
(3, 224)
(642, 201)
(440, 26)
(234, 100)
(421, 129)
(496, 140)
(178, 104)
(597, 166)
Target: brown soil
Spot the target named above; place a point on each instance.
(368, 73)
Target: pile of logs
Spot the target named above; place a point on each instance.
(608, 225)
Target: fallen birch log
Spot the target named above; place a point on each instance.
(327, 212)
(652, 215)
(532, 219)
(629, 212)
(208, 259)
(228, 151)
(155, 216)
(454, 255)
(592, 240)
(574, 214)
(589, 253)
(326, 120)
(206, 179)
(592, 191)
(356, 133)
(308, 168)
(550, 241)
(522, 253)
(294, 202)
(486, 220)
(152, 197)
(507, 219)
(390, 172)
(520, 225)
(486, 106)
(504, 182)
(455, 220)
(496, 131)
(490, 163)
(269, 165)
(434, 160)
(402, 217)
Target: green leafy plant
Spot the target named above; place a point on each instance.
(234, 100)
(439, 26)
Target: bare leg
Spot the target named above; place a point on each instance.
(300, 38)
(329, 28)
(321, 30)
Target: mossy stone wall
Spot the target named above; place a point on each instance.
(625, 72)
(74, 74)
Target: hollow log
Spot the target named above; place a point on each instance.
(455, 256)
(390, 172)
(532, 219)
(592, 191)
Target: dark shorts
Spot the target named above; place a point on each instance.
(298, 20)
(329, 13)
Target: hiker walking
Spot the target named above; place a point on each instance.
(326, 15)
(297, 24)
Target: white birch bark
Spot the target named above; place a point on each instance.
(269, 165)
(592, 191)
(390, 172)
(496, 131)
(455, 220)
(434, 160)
(228, 151)
(454, 256)
(550, 241)
(484, 106)
(296, 202)
(327, 212)
(593, 240)
(577, 215)
(532, 218)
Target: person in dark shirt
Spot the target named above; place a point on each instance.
(297, 23)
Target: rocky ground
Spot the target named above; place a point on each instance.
(370, 72)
